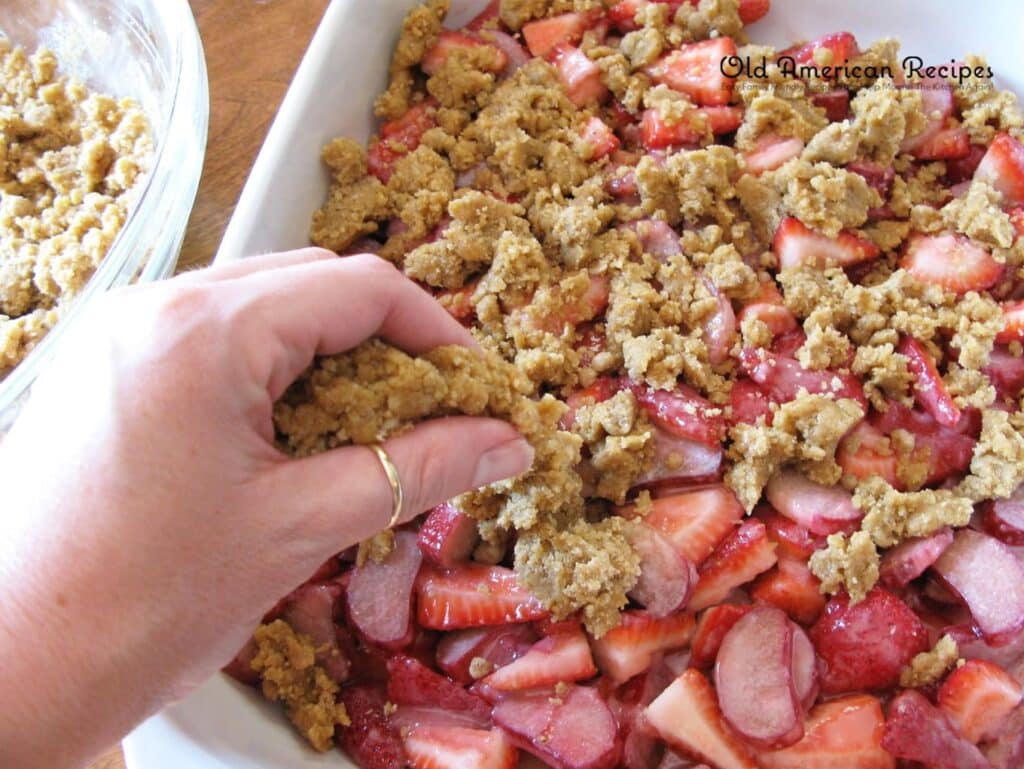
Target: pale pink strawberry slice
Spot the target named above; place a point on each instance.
(695, 522)
(1004, 520)
(600, 138)
(769, 308)
(1003, 168)
(744, 554)
(569, 730)
(473, 595)
(794, 540)
(916, 730)
(657, 133)
(681, 412)
(564, 657)
(783, 378)
(1013, 323)
(979, 698)
(771, 152)
(836, 103)
(631, 646)
(657, 238)
(841, 45)
(845, 733)
(950, 143)
(712, 626)
(447, 536)
(1007, 751)
(449, 42)
(379, 595)
(792, 588)
(929, 389)
(497, 645)
(820, 509)
(696, 70)
(412, 683)
(753, 10)
(371, 741)
(937, 107)
(797, 245)
(666, 578)
(748, 403)
(434, 747)
(580, 77)
(952, 262)
(864, 646)
(686, 715)
(544, 36)
(911, 558)
(311, 611)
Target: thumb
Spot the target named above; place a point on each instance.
(343, 496)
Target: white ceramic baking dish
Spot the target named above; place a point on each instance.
(225, 725)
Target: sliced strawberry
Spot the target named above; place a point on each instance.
(1004, 520)
(1013, 323)
(449, 42)
(952, 262)
(622, 15)
(686, 715)
(631, 646)
(473, 595)
(911, 558)
(310, 610)
(682, 412)
(1017, 220)
(558, 658)
(712, 626)
(845, 733)
(433, 747)
(544, 36)
(753, 10)
(929, 389)
(656, 133)
(1007, 752)
(696, 70)
(447, 536)
(880, 178)
(916, 730)
(398, 138)
(797, 245)
(865, 645)
(962, 169)
(748, 403)
(657, 238)
(836, 104)
(580, 77)
(937, 106)
(771, 152)
(695, 522)
(945, 451)
(790, 586)
(794, 540)
(379, 595)
(770, 308)
(744, 554)
(410, 682)
(1003, 168)
(571, 730)
(497, 646)
(600, 138)
(841, 47)
(979, 697)
(459, 302)
(867, 451)
(782, 378)
(600, 390)
(788, 345)
(950, 143)
(1006, 373)
(820, 509)
(371, 741)
(582, 310)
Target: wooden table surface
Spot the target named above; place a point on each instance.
(252, 50)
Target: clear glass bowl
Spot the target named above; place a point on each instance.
(148, 50)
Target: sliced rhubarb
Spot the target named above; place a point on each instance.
(916, 730)
(447, 536)
(379, 595)
(667, 578)
(910, 559)
(820, 509)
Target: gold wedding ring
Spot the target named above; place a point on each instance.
(397, 497)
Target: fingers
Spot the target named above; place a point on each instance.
(343, 496)
(253, 264)
(327, 306)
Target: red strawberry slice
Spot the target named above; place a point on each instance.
(657, 133)
(410, 682)
(867, 451)
(686, 715)
(822, 510)
(1017, 220)
(952, 262)
(771, 152)
(845, 733)
(681, 412)
(794, 540)
(695, 522)
(449, 42)
(782, 378)
(459, 302)
(564, 657)
(744, 554)
(590, 342)
(929, 389)
(711, 628)
(311, 611)
(916, 730)
(587, 307)
(433, 747)
(946, 451)
(631, 646)
(696, 70)
(371, 741)
(842, 46)
(1006, 373)
(937, 106)
(950, 143)
(753, 10)
(797, 245)
(979, 698)
(1013, 323)
(1004, 520)
(788, 345)
(865, 646)
(498, 646)
(836, 104)
(580, 77)
(1003, 168)
(622, 15)
(599, 391)
(791, 587)
(600, 138)
(879, 177)
(474, 595)
(769, 308)
(910, 559)
(962, 169)
(379, 595)
(748, 403)
(447, 536)
(397, 138)
(572, 730)
(544, 36)
(666, 578)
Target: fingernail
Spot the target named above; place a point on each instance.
(512, 458)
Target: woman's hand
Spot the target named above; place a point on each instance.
(148, 519)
